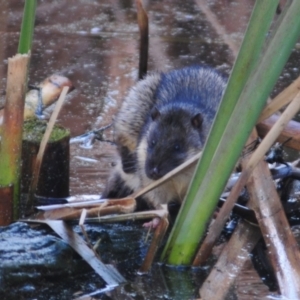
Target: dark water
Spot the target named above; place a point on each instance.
(95, 44)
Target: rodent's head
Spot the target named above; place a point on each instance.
(173, 135)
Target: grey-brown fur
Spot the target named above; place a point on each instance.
(164, 120)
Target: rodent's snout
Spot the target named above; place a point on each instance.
(153, 173)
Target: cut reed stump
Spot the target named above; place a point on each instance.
(53, 179)
(6, 205)
(11, 130)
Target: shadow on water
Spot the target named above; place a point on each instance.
(95, 44)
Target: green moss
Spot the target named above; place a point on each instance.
(34, 130)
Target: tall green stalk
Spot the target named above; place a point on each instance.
(26, 35)
(227, 139)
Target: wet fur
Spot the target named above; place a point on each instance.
(164, 120)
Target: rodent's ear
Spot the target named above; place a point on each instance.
(197, 120)
(155, 113)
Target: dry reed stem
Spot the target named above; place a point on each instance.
(231, 261)
(282, 99)
(168, 176)
(143, 23)
(282, 248)
(39, 158)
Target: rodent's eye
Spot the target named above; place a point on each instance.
(176, 147)
(153, 143)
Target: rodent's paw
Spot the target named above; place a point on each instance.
(152, 224)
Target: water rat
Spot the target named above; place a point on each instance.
(163, 121)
